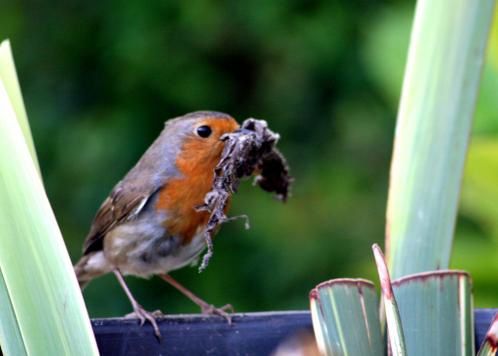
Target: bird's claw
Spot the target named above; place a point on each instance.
(224, 311)
(143, 315)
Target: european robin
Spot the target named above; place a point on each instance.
(149, 225)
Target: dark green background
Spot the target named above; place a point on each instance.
(100, 78)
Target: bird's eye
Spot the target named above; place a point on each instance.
(204, 131)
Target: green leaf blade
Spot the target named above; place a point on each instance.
(439, 93)
(8, 75)
(42, 296)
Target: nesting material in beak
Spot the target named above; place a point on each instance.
(248, 150)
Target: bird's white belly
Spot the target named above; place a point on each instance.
(183, 256)
(144, 249)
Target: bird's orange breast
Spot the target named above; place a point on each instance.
(180, 196)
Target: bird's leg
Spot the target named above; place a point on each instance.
(138, 311)
(206, 308)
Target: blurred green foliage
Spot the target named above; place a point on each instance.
(100, 79)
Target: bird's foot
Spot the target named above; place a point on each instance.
(224, 311)
(206, 308)
(143, 315)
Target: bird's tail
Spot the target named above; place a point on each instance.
(91, 266)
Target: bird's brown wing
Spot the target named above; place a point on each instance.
(129, 197)
(123, 204)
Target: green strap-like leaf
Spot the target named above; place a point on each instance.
(39, 291)
(438, 99)
(8, 76)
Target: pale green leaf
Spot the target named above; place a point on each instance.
(43, 312)
(8, 75)
(445, 58)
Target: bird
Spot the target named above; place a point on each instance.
(149, 224)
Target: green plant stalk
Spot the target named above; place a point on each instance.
(37, 278)
(440, 87)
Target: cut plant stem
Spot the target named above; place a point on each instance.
(394, 327)
(436, 312)
(490, 343)
(345, 316)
